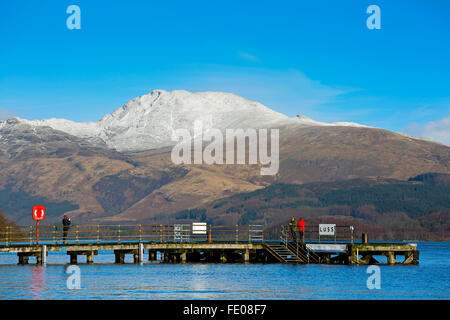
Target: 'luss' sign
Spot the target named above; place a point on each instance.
(327, 229)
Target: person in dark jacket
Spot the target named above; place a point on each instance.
(66, 225)
(293, 228)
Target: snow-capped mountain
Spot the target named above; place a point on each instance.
(147, 122)
(76, 169)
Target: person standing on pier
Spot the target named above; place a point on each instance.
(66, 225)
(293, 228)
(301, 229)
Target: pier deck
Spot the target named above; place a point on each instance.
(177, 244)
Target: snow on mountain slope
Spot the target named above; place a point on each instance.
(150, 119)
(147, 122)
(301, 120)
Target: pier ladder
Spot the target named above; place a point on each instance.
(283, 254)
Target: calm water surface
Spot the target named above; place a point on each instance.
(104, 280)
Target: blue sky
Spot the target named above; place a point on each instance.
(315, 58)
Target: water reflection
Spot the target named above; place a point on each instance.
(198, 283)
(37, 281)
(103, 280)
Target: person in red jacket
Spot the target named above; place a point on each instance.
(301, 229)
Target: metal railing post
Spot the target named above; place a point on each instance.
(160, 233)
(351, 234)
(237, 233)
(118, 234)
(262, 233)
(76, 234)
(284, 235)
(98, 233)
(30, 234)
(54, 234)
(7, 235)
(140, 233)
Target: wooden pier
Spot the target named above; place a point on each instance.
(178, 244)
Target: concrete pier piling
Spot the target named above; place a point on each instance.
(183, 257)
(88, 253)
(151, 255)
(141, 253)
(246, 256)
(90, 257)
(73, 258)
(23, 258)
(40, 253)
(43, 255)
(391, 258)
(389, 250)
(119, 256)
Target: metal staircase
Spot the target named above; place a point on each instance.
(299, 249)
(283, 254)
(290, 251)
(303, 252)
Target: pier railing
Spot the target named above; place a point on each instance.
(342, 233)
(129, 233)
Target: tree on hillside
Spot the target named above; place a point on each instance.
(3, 220)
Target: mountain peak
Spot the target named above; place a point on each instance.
(147, 122)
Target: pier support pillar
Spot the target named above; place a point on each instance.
(119, 257)
(43, 257)
(352, 258)
(23, 259)
(411, 257)
(183, 257)
(140, 257)
(391, 257)
(415, 257)
(90, 257)
(73, 258)
(246, 256)
(223, 257)
(408, 258)
(151, 255)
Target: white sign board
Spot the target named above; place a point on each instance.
(327, 229)
(199, 228)
(181, 232)
(327, 247)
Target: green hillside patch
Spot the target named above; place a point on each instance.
(18, 206)
(191, 214)
(414, 198)
(118, 192)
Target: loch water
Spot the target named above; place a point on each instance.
(106, 280)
